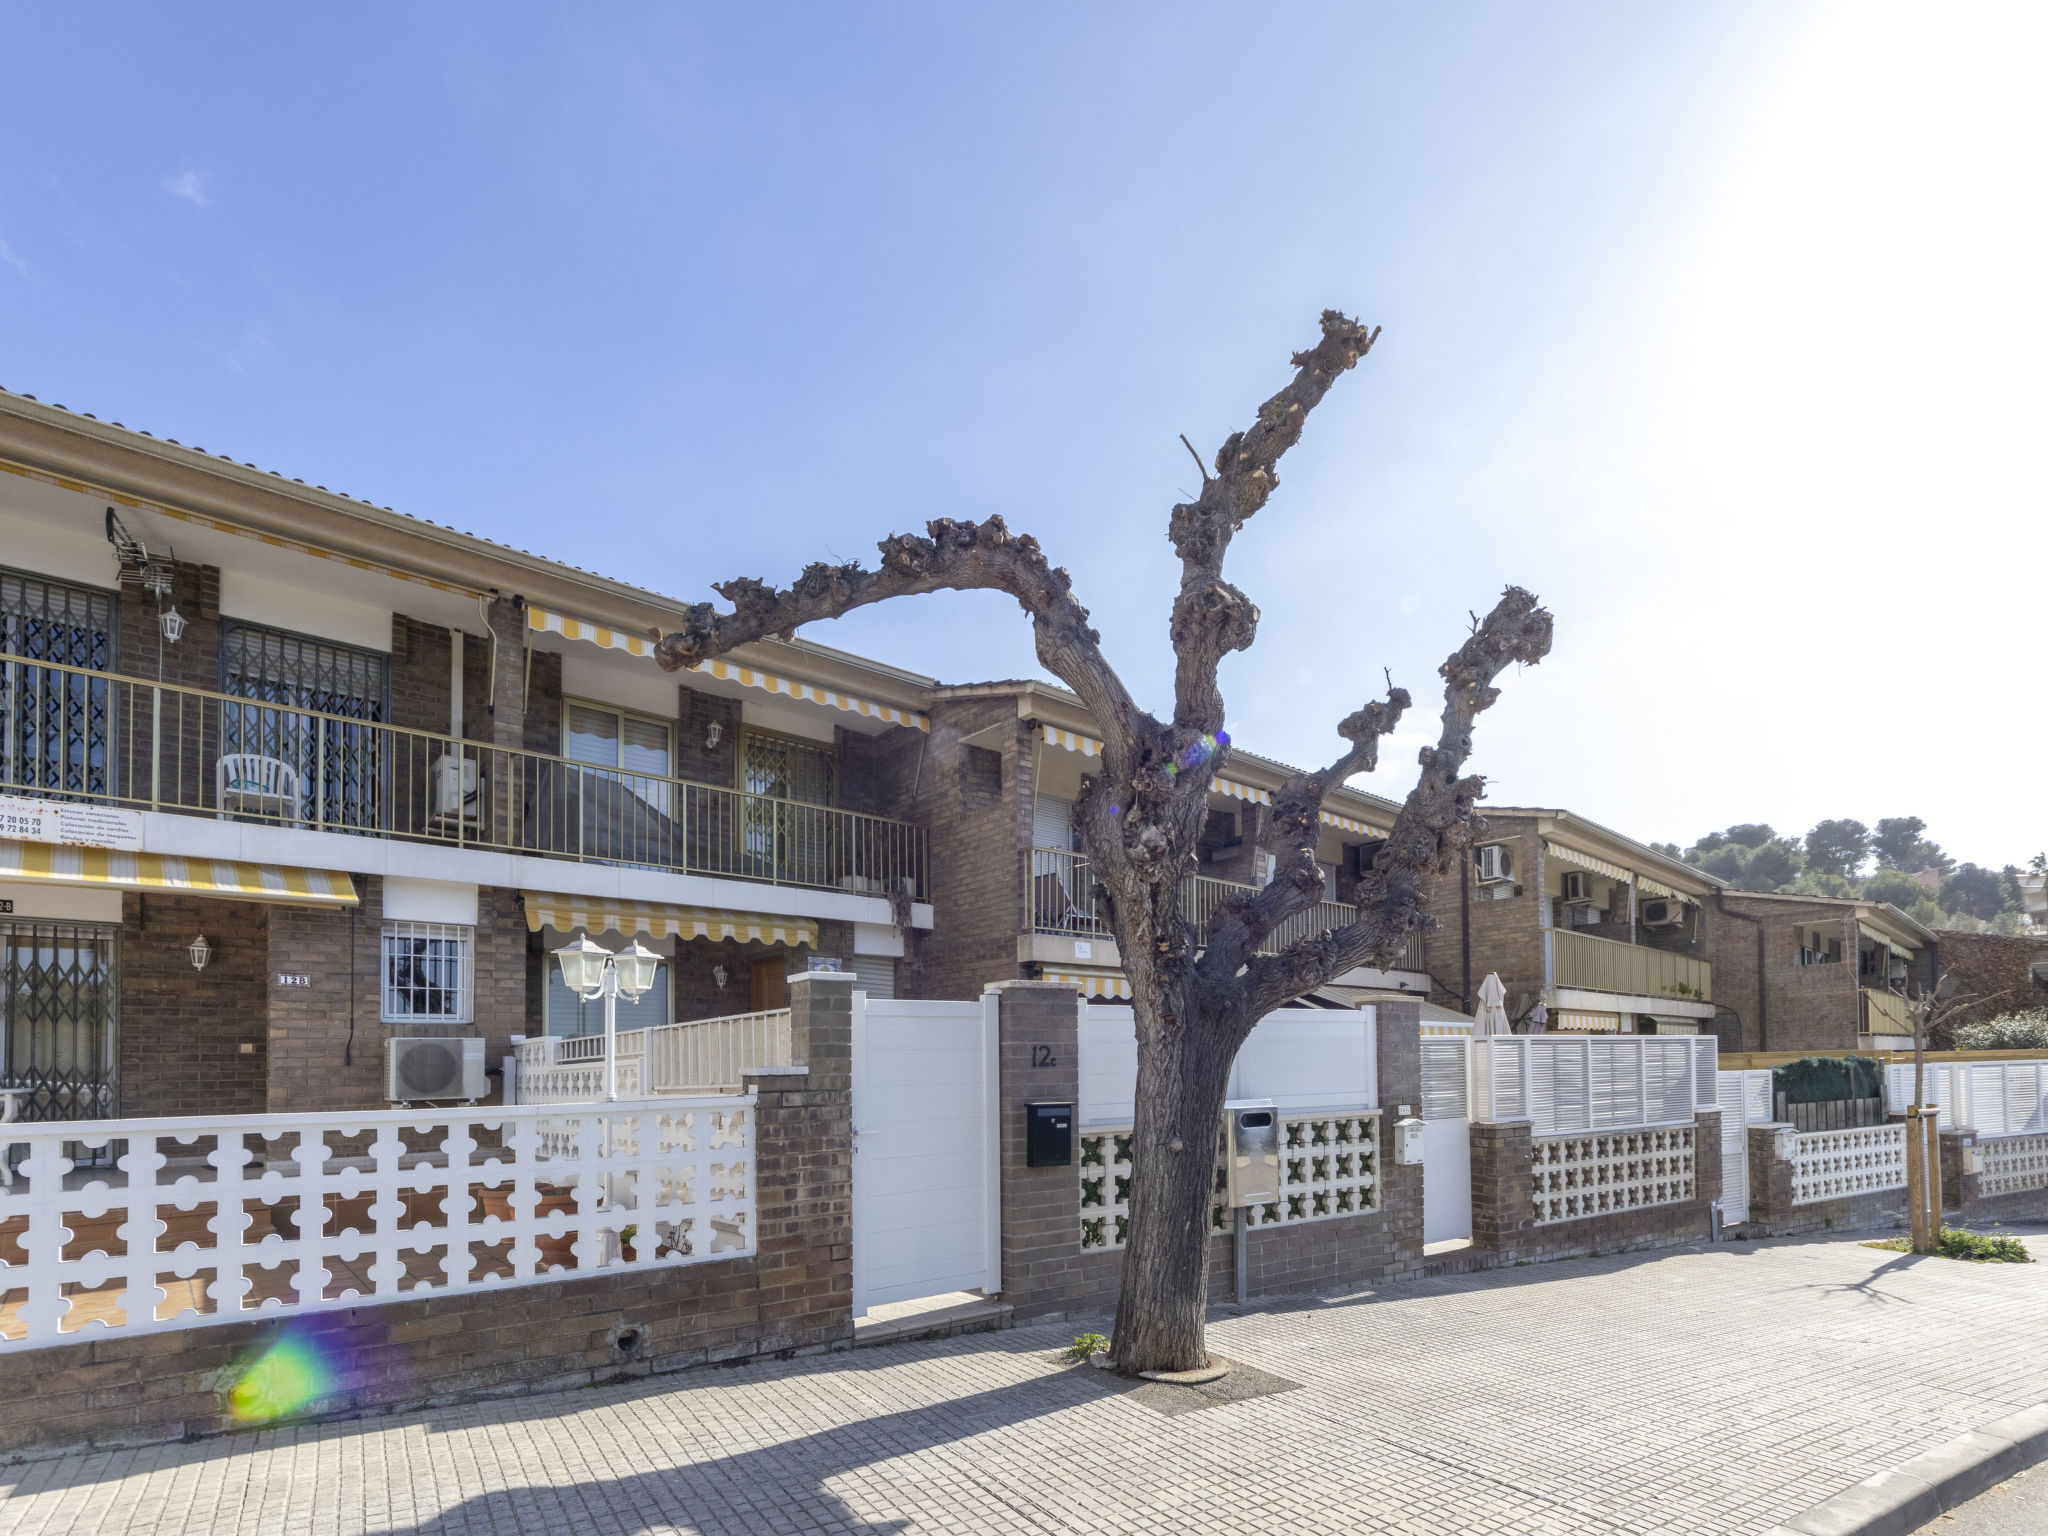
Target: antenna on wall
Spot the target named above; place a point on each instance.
(151, 576)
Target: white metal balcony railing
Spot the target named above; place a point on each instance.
(207, 1220)
(1061, 900)
(696, 1056)
(72, 733)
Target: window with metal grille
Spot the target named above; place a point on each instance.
(58, 1009)
(337, 763)
(55, 727)
(428, 973)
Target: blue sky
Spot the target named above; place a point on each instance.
(1715, 325)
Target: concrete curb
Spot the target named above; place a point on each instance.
(1907, 1496)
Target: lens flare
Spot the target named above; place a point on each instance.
(282, 1380)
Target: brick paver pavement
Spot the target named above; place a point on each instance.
(1710, 1390)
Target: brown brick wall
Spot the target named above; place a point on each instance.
(181, 1030)
(1772, 1213)
(1503, 1210)
(696, 713)
(1993, 968)
(1045, 1273)
(1506, 936)
(194, 661)
(977, 826)
(1801, 1007)
(793, 1295)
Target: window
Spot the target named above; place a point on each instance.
(59, 1007)
(612, 738)
(337, 765)
(876, 976)
(54, 726)
(429, 970)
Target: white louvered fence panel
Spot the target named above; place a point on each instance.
(1564, 1083)
(1828, 1165)
(215, 1220)
(1443, 1079)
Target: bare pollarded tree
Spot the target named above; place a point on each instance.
(1141, 816)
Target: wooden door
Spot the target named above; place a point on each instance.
(771, 983)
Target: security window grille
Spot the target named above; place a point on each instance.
(782, 777)
(58, 1008)
(428, 971)
(337, 762)
(55, 727)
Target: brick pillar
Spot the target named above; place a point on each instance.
(1770, 1178)
(1038, 1055)
(1398, 1032)
(803, 1172)
(1958, 1189)
(1503, 1209)
(504, 716)
(1706, 1162)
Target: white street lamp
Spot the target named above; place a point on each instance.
(591, 971)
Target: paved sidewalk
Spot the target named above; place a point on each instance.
(1711, 1390)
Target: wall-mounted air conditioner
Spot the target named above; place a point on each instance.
(1576, 886)
(416, 1070)
(1494, 862)
(455, 787)
(1663, 914)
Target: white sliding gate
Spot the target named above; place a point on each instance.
(1446, 1142)
(926, 1180)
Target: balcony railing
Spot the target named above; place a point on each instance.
(74, 734)
(1061, 899)
(684, 1058)
(1884, 1013)
(1607, 965)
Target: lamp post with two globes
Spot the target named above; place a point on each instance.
(591, 971)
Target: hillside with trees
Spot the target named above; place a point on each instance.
(1893, 862)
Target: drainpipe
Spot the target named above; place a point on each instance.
(1465, 927)
(455, 684)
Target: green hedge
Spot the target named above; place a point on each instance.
(1823, 1079)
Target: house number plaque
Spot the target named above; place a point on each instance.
(286, 980)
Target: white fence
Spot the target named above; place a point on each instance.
(1829, 1165)
(1567, 1083)
(1300, 1058)
(695, 1057)
(209, 1221)
(1329, 1166)
(1992, 1098)
(1573, 1177)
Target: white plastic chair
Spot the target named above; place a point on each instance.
(248, 784)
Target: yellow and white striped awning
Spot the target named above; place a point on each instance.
(61, 864)
(202, 520)
(1237, 791)
(1433, 1027)
(595, 914)
(1092, 983)
(1611, 871)
(547, 621)
(1580, 1021)
(1071, 741)
(1353, 824)
(1651, 888)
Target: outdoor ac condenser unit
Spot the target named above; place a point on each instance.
(455, 787)
(1495, 862)
(1663, 914)
(1576, 886)
(416, 1070)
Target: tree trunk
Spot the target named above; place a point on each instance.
(1183, 1072)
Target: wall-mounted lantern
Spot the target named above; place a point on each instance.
(200, 951)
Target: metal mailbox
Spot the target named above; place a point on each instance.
(1048, 1135)
(1251, 1129)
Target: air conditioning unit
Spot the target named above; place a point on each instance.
(1663, 914)
(1494, 862)
(455, 787)
(451, 1067)
(1576, 886)
(1581, 914)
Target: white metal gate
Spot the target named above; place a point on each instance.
(926, 1181)
(1745, 1099)
(1446, 1143)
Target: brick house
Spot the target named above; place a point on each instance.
(1815, 973)
(1608, 934)
(371, 773)
(1997, 973)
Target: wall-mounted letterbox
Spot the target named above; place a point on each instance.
(1048, 1135)
(1252, 1131)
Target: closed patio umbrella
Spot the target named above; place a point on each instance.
(1493, 1014)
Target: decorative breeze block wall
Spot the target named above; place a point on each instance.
(1829, 1165)
(2010, 1165)
(1579, 1176)
(1328, 1168)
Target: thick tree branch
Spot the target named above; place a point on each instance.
(1435, 826)
(953, 557)
(1211, 618)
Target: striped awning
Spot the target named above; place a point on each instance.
(1643, 883)
(1092, 983)
(60, 864)
(1071, 741)
(1651, 888)
(1237, 791)
(1353, 824)
(1578, 1020)
(547, 621)
(1895, 947)
(1436, 1027)
(594, 914)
